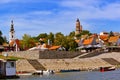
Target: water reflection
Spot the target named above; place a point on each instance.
(110, 75)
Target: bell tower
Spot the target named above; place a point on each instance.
(78, 27)
(12, 32)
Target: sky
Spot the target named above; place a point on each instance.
(34, 17)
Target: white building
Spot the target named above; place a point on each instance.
(7, 68)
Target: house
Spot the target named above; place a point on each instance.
(114, 41)
(54, 47)
(7, 68)
(88, 44)
(104, 38)
(104, 33)
(116, 33)
(59, 48)
(41, 47)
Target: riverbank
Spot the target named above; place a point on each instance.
(32, 61)
(83, 64)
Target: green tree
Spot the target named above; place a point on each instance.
(51, 37)
(0, 33)
(65, 41)
(78, 35)
(84, 32)
(72, 45)
(72, 34)
(111, 34)
(1, 38)
(59, 38)
(43, 35)
(27, 41)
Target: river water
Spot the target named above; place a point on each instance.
(83, 75)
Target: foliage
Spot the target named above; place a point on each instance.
(9, 57)
(2, 40)
(84, 32)
(27, 42)
(0, 33)
(57, 39)
(72, 45)
(111, 34)
(50, 37)
(42, 35)
(65, 41)
(78, 35)
(72, 34)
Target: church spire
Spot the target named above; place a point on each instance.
(77, 20)
(12, 32)
(12, 27)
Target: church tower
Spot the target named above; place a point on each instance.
(12, 32)
(78, 27)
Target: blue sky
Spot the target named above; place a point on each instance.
(43, 16)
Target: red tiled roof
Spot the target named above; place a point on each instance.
(104, 37)
(54, 47)
(14, 41)
(113, 39)
(88, 41)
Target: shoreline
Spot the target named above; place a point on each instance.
(82, 64)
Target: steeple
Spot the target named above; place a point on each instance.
(12, 32)
(12, 26)
(77, 20)
(78, 27)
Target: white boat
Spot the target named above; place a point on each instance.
(41, 72)
(48, 72)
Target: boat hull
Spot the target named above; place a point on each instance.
(103, 69)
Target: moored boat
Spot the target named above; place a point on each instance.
(41, 72)
(110, 68)
(71, 70)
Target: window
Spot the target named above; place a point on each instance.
(10, 64)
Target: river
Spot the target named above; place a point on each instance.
(83, 75)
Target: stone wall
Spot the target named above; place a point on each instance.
(44, 54)
(59, 54)
(63, 64)
(67, 64)
(73, 64)
(24, 54)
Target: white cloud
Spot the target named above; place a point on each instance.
(62, 19)
(91, 9)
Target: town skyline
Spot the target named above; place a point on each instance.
(58, 16)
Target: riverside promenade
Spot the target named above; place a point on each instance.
(76, 63)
